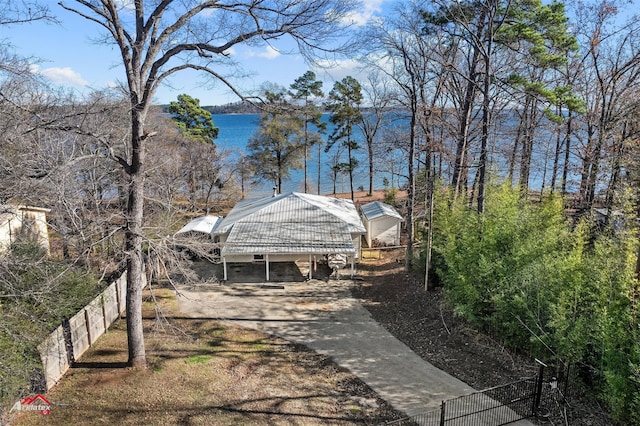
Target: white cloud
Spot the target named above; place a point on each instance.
(268, 52)
(361, 18)
(64, 75)
(336, 71)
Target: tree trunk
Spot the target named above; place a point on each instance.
(133, 243)
(370, 169)
(593, 171)
(460, 169)
(556, 155)
(587, 163)
(567, 147)
(482, 165)
(319, 164)
(616, 169)
(527, 145)
(514, 152)
(351, 166)
(306, 153)
(411, 190)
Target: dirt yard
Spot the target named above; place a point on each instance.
(203, 372)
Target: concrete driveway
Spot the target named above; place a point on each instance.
(324, 316)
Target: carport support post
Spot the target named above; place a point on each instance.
(310, 267)
(266, 258)
(353, 266)
(224, 268)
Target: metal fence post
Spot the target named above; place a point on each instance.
(442, 410)
(536, 400)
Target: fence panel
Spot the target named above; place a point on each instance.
(79, 334)
(491, 407)
(55, 357)
(496, 406)
(122, 292)
(95, 319)
(69, 341)
(110, 304)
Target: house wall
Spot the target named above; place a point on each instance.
(29, 222)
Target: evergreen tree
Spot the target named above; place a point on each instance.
(305, 90)
(278, 145)
(344, 104)
(193, 121)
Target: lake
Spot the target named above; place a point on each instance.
(235, 130)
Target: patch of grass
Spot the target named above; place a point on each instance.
(198, 359)
(245, 377)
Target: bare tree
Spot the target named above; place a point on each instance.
(379, 99)
(407, 54)
(609, 81)
(160, 39)
(23, 11)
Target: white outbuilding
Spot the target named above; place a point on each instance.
(290, 227)
(382, 222)
(23, 221)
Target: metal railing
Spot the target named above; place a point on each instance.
(495, 406)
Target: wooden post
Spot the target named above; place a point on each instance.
(88, 326)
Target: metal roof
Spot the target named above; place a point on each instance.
(293, 206)
(204, 224)
(378, 209)
(288, 238)
(291, 223)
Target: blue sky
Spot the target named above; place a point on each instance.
(68, 55)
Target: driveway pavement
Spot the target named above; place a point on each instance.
(324, 316)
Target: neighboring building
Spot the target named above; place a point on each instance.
(202, 224)
(382, 222)
(290, 227)
(18, 222)
(199, 229)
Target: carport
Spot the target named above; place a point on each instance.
(290, 227)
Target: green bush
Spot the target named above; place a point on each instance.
(563, 294)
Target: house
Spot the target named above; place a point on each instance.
(18, 222)
(290, 227)
(382, 222)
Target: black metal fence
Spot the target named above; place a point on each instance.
(496, 406)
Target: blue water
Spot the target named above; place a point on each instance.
(235, 130)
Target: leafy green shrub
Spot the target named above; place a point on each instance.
(499, 264)
(563, 294)
(390, 195)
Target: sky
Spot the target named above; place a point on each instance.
(68, 55)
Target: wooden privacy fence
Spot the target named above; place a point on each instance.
(72, 338)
